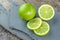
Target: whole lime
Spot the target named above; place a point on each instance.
(26, 11)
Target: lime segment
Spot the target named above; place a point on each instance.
(43, 30)
(34, 23)
(46, 12)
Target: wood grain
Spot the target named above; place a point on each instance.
(5, 35)
(54, 3)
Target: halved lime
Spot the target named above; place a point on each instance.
(43, 30)
(46, 12)
(34, 23)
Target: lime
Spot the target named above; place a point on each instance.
(26, 11)
(46, 12)
(34, 23)
(43, 30)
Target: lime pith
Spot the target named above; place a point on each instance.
(34, 23)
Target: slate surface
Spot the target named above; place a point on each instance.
(11, 19)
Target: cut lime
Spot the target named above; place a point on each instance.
(34, 23)
(46, 12)
(43, 30)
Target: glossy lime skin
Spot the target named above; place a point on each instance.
(26, 11)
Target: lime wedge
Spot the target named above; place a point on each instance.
(34, 23)
(43, 30)
(46, 12)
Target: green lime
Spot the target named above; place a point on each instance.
(43, 30)
(26, 11)
(46, 12)
(34, 23)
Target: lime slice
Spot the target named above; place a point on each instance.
(34, 23)
(43, 30)
(46, 12)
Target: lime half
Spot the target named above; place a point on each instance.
(34, 23)
(43, 30)
(46, 12)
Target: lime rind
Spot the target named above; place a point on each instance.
(45, 33)
(36, 23)
(52, 10)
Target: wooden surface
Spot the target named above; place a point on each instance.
(5, 35)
